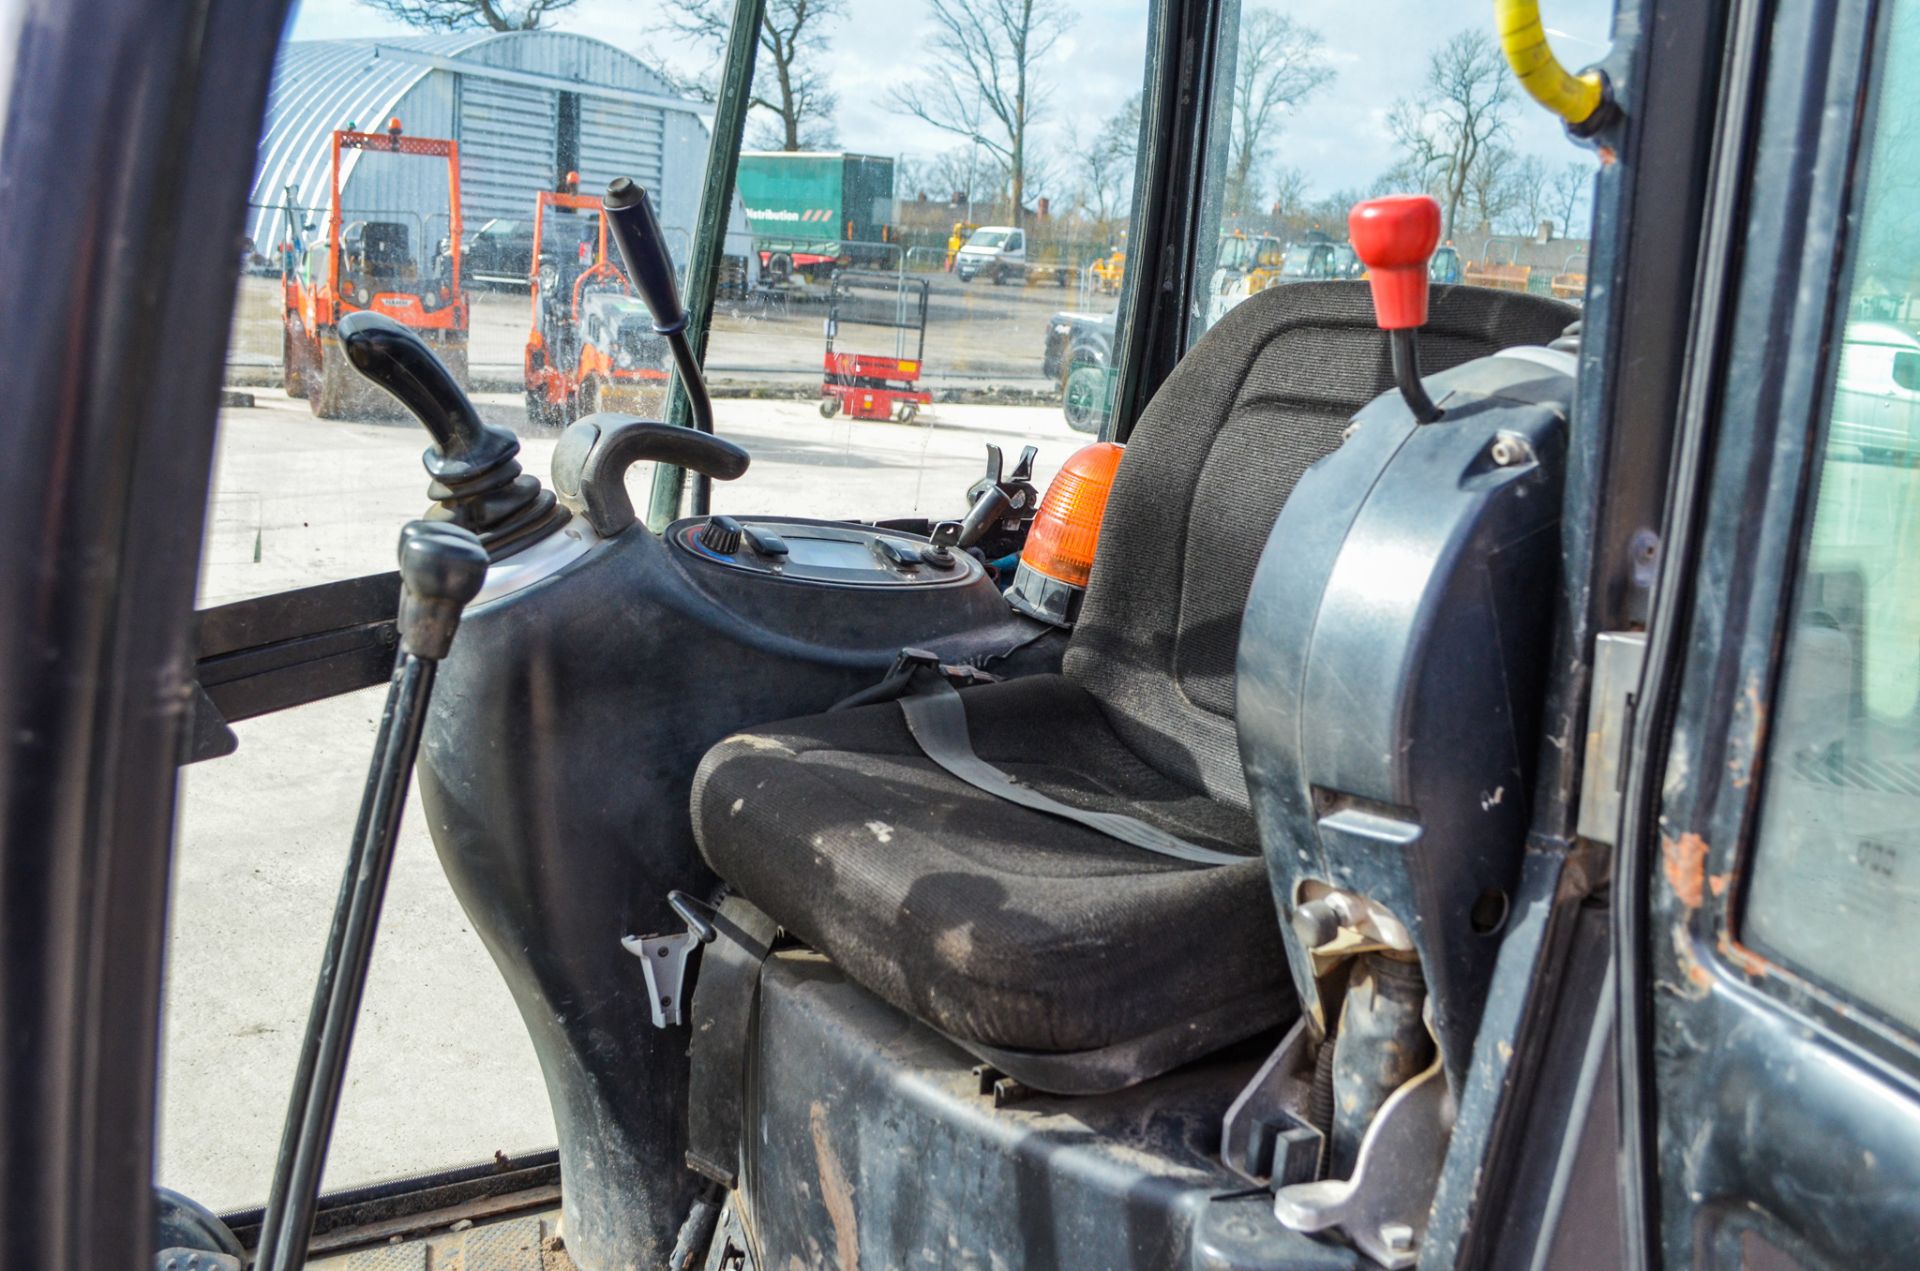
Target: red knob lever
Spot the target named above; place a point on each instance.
(1396, 236)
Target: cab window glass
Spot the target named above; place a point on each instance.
(401, 170)
(909, 169)
(1836, 865)
(1324, 111)
(938, 232)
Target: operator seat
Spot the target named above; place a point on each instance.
(388, 253)
(1066, 958)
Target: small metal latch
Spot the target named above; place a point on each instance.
(663, 959)
(1617, 660)
(184, 1259)
(1383, 1207)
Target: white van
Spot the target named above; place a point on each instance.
(1876, 403)
(997, 251)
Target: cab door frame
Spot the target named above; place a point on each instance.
(111, 344)
(1748, 1092)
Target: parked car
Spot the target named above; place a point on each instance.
(1078, 355)
(999, 252)
(1876, 403)
(499, 254)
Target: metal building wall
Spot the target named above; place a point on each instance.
(507, 146)
(627, 112)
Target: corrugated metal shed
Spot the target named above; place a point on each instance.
(500, 95)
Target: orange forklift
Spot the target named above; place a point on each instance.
(385, 262)
(592, 345)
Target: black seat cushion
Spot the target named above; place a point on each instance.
(1013, 929)
(994, 924)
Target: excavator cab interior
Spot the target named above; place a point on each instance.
(1301, 834)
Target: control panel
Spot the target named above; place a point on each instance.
(823, 553)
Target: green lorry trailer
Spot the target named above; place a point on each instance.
(812, 213)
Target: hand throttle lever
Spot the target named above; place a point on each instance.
(636, 233)
(476, 476)
(1396, 236)
(441, 568)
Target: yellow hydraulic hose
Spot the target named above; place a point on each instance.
(1574, 98)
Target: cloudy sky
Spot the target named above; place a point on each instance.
(1378, 48)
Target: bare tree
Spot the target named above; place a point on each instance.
(950, 175)
(1289, 210)
(470, 15)
(1279, 64)
(913, 177)
(980, 83)
(1489, 193)
(1103, 167)
(1572, 191)
(787, 84)
(1527, 197)
(1459, 115)
(1329, 215)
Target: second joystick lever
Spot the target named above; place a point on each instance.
(987, 510)
(1003, 532)
(643, 249)
(1395, 237)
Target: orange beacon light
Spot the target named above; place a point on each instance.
(1058, 557)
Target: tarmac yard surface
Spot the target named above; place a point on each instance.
(442, 1073)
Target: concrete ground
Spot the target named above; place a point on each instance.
(442, 1073)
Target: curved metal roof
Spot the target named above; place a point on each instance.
(321, 85)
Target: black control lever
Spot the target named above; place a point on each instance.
(636, 232)
(981, 517)
(1005, 532)
(590, 463)
(1023, 470)
(441, 567)
(476, 476)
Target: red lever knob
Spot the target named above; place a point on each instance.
(1396, 236)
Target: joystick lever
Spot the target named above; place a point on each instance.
(476, 477)
(1001, 522)
(636, 233)
(442, 567)
(986, 510)
(1395, 237)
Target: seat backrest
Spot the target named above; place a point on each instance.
(1260, 398)
(388, 252)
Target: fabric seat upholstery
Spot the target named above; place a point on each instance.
(1006, 928)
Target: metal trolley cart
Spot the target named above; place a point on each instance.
(872, 385)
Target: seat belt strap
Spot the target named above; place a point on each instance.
(937, 718)
(907, 667)
(724, 1002)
